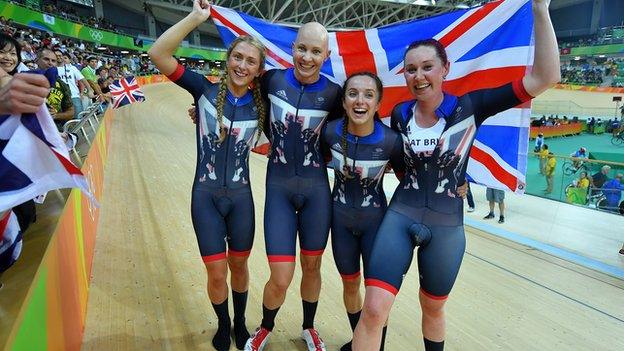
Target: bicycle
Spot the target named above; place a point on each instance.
(618, 139)
(572, 167)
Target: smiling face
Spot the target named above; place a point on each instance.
(8, 58)
(424, 72)
(243, 65)
(310, 50)
(46, 59)
(361, 100)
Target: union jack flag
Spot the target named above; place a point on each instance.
(10, 240)
(33, 159)
(125, 91)
(487, 46)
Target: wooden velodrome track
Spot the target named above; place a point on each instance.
(148, 287)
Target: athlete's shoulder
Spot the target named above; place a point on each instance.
(332, 87)
(270, 73)
(333, 125)
(401, 110)
(389, 132)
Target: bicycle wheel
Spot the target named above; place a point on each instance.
(568, 168)
(617, 140)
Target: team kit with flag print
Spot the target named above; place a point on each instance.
(443, 100)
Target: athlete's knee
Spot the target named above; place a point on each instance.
(238, 265)
(217, 274)
(432, 307)
(279, 283)
(311, 265)
(351, 286)
(374, 313)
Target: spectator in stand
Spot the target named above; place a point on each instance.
(612, 190)
(591, 122)
(104, 84)
(601, 177)
(551, 164)
(88, 71)
(71, 75)
(10, 57)
(102, 73)
(578, 157)
(28, 53)
(114, 72)
(583, 181)
(59, 100)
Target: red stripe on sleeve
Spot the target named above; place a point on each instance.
(521, 93)
(177, 74)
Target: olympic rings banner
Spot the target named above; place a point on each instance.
(50, 23)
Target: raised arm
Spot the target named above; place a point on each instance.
(546, 71)
(162, 51)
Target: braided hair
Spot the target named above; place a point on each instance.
(257, 96)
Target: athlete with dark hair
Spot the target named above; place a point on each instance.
(437, 131)
(360, 148)
(222, 207)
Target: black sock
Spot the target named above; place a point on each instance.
(309, 311)
(240, 330)
(383, 338)
(353, 321)
(354, 318)
(433, 345)
(221, 340)
(346, 347)
(268, 318)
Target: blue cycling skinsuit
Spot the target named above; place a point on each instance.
(222, 207)
(297, 189)
(359, 201)
(425, 210)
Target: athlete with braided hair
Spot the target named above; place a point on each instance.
(229, 115)
(360, 148)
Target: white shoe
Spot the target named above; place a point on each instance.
(470, 209)
(258, 340)
(313, 340)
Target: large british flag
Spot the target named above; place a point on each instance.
(126, 91)
(488, 46)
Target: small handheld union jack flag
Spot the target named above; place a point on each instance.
(126, 91)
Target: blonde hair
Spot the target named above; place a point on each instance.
(257, 96)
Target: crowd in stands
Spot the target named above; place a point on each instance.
(32, 40)
(553, 120)
(55, 8)
(605, 36)
(590, 72)
(582, 74)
